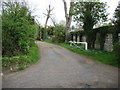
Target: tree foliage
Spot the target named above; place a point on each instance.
(18, 29)
(117, 16)
(59, 34)
(56, 33)
(86, 11)
(116, 48)
(50, 30)
(116, 21)
(88, 14)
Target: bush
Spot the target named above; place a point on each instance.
(19, 32)
(22, 61)
(15, 60)
(58, 34)
(18, 29)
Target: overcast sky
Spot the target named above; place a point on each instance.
(39, 7)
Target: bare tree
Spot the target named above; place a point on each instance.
(68, 17)
(49, 10)
(53, 21)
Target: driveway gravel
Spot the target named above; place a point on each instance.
(61, 68)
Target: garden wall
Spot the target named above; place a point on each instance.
(108, 45)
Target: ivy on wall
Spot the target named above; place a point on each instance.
(103, 31)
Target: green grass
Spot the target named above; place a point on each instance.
(22, 61)
(98, 55)
(34, 54)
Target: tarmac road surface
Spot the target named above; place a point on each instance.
(61, 68)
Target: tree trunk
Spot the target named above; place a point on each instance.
(48, 16)
(68, 20)
(45, 31)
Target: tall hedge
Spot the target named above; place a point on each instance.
(18, 29)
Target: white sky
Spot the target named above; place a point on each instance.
(39, 7)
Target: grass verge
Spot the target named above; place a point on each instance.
(17, 63)
(34, 54)
(98, 55)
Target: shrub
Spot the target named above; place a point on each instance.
(18, 29)
(19, 32)
(16, 60)
(21, 61)
(59, 35)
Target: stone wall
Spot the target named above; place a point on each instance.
(73, 37)
(108, 46)
(83, 39)
(97, 45)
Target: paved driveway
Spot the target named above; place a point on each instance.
(61, 68)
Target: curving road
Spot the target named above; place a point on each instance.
(61, 68)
